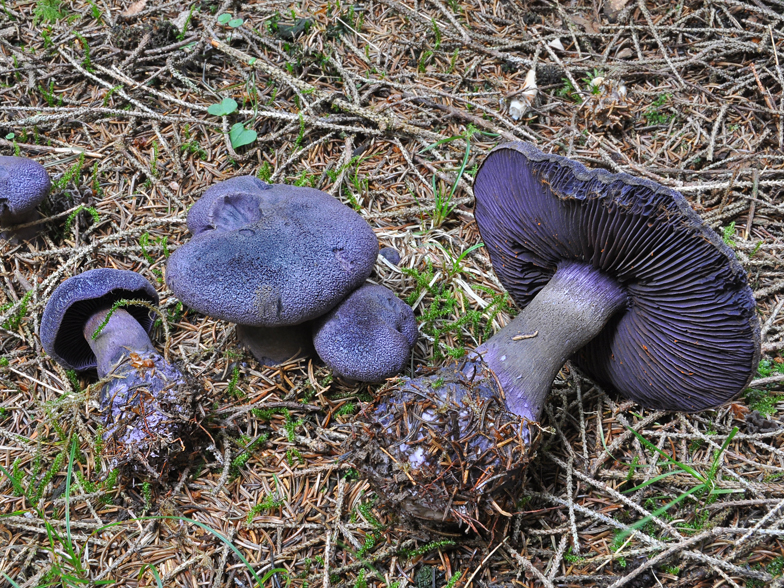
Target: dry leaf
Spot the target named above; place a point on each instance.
(181, 19)
(613, 8)
(590, 26)
(135, 8)
(618, 5)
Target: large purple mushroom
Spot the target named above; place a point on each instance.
(270, 258)
(368, 337)
(270, 255)
(617, 273)
(147, 403)
(24, 184)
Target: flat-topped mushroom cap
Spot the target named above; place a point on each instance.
(368, 337)
(276, 256)
(688, 338)
(74, 301)
(24, 183)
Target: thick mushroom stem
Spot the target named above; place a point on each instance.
(119, 337)
(565, 315)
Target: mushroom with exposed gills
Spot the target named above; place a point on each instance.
(368, 337)
(616, 273)
(147, 403)
(24, 183)
(271, 258)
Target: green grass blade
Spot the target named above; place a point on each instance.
(686, 468)
(715, 465)
(10, 581)
(661, 510)
(649, 482)
(217, 535)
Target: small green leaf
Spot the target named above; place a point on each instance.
(10, 136)
(240, 136)
(224, 108)
(236, 22)
(224, 18)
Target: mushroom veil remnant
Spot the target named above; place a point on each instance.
(615, 272)
(147, 403)
(24, 183)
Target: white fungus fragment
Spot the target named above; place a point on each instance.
(520, 105)
(556, 44)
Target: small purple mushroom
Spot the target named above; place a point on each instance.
(368, 337)
(24, 184)
(147, 403)
(270, 256)
(617, 273)
(390, 254)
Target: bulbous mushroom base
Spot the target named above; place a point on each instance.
(443, 448)
(148, 409)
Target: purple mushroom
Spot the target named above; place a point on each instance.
(147, 403)
(24, 184)
(617, 273)
(368, 337)
(270, 258)
(390, 254)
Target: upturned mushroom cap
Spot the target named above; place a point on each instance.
(688, 337)
(270, 256)
(368, 337)
(24, 183)
(73, 303)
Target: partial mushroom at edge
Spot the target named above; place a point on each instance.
(24, 183)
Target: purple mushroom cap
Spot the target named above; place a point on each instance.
(24, 183)
(77, 299)
(686, 337)
(368, 337)
(390, 254)
(227, 205)
(270, 256)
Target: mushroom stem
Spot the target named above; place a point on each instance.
(119, 337)
(565, 315)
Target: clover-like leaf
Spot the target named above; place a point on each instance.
(224, 108)
(236, 22)
(224, 18)
(240, 136)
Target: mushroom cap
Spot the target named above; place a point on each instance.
(689, 336)
(391, 254)
(227, 205)
(368, 337)
(74, 301)
(270, 257)
(24, 183)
